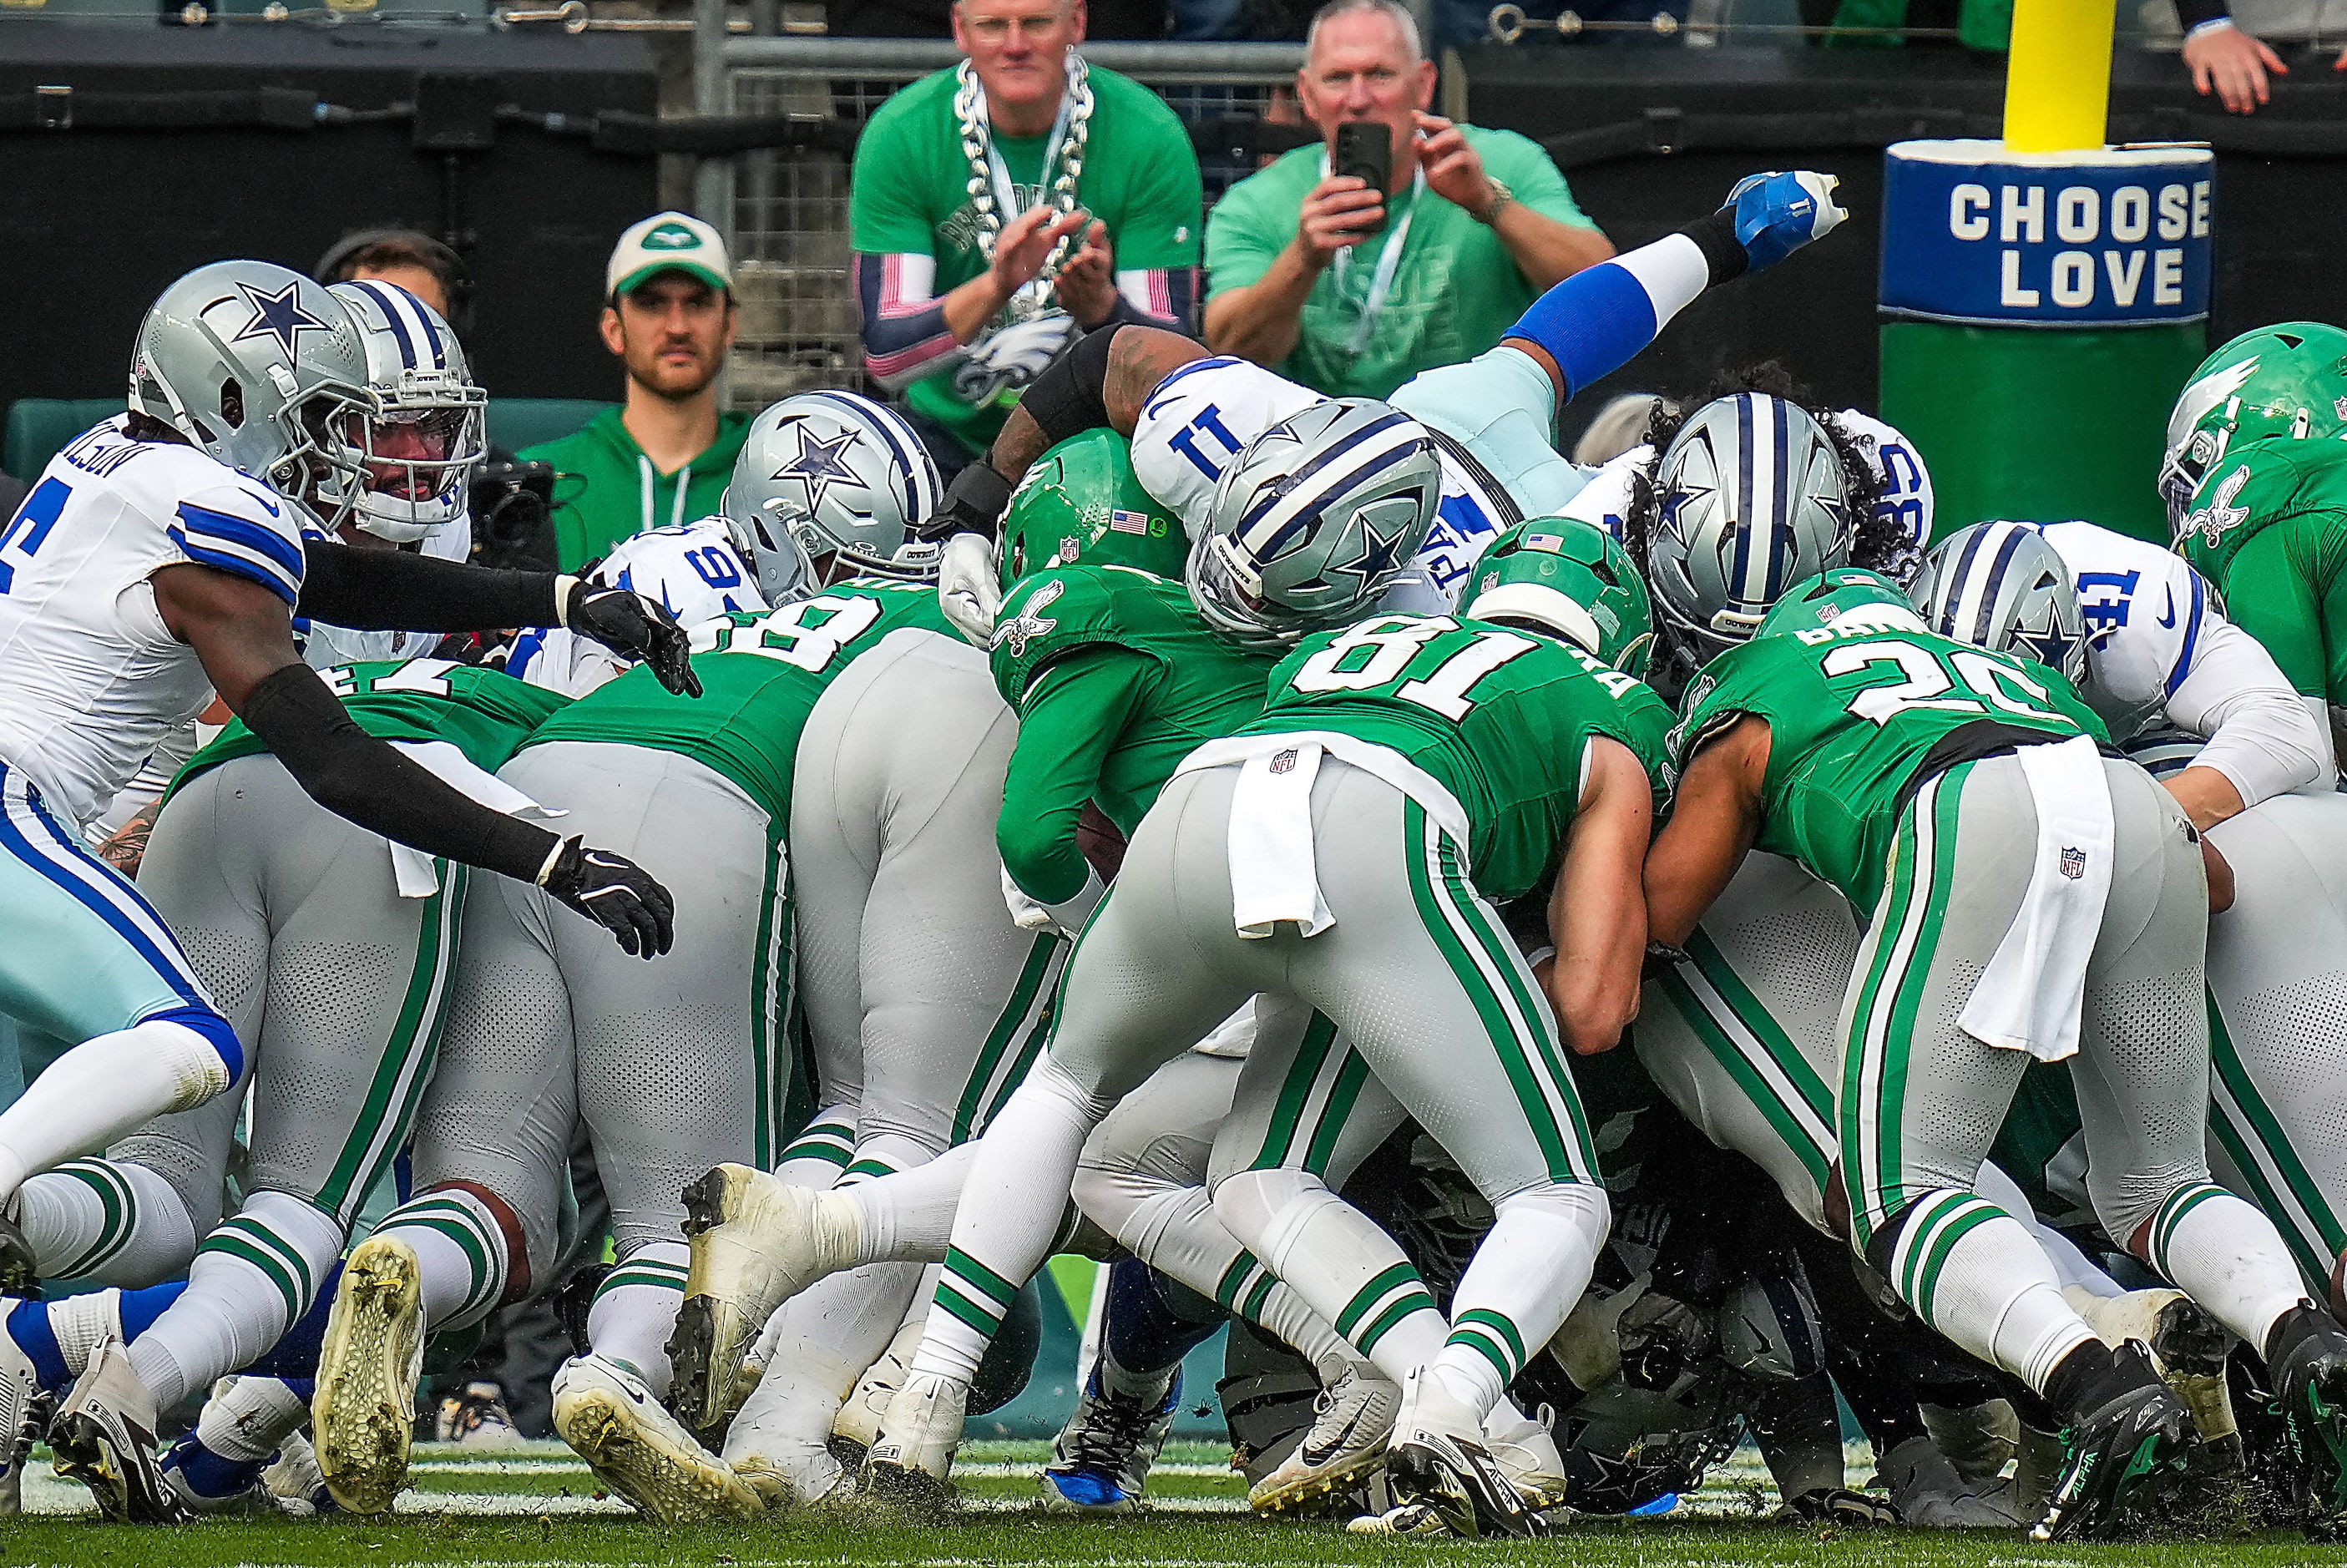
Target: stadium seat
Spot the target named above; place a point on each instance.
(37, 427)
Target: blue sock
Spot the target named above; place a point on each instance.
(294, 1357)
(28, 1325)
(140, 1309)
(209, 1474)
(1142, 1331)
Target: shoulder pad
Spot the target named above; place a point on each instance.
(1050, 613)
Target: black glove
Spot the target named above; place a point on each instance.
(615, 893)
(974, 504)
(634, 627)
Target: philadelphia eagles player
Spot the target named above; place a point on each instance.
(330, 951)
(2030, 901)
(153, 565)
(1191, 414)
(1298, 819)
(2256, 484)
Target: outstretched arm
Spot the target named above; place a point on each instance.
(1715, 817)
(1597, 916)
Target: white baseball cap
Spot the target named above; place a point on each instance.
(667, 243)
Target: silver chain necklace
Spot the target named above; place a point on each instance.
(990, 185)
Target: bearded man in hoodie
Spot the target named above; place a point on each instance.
(664, 456)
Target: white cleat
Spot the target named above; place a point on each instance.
(1351, 1422)
(2188, 1349)
(1930, 1493)
(1527, 1454)
(788, 1472)
(911, 1462)
(606, 1415)
(362, 1413)
(103, 1437)
(1438, 1457)
(755, 1241)
(858, 1421)
(23, 1413)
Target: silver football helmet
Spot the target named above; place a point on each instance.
(835, 475)
(2000, 586)
(415, 452)
(253, 364)
(1750, 498)
(1312, 521)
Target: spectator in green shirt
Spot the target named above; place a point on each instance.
(664, 456)
(1352, 291)
(999, 208)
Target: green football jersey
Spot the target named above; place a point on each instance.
(1501, 718)
(2268, 530)
(1852, 715)
(1200, 687)
(483, 714)
(760, 672)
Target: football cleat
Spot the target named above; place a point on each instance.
(477, 1418)
(787, 1473)
(1404, 1519)
(1527, 1454)
(1101, 1459)
(103, 1437)
(1351, 1422)
(362, 1413)
(2188, 1350)
(1929, 1491)
(24, 1404)
(2123, 1455)
(756, 1241)
(2309, 1372)
(857, 1424)
(610, 1420)
(19, 1271)
(911, 1463)
(1437, 1456)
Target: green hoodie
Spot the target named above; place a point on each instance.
(622, 493)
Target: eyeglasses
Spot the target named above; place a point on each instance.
(995, 31)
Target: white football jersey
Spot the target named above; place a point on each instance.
(1203, 414)
(693, 568)
(91, 681)
(324, 647)
(1604, 501)
(2147, 617)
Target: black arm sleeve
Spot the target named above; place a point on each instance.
(2193, 13)
(366, 781)
(1722, 252)
(392, 590)
(1070, 396)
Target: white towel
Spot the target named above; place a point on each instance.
(1274, 877)
(410, 867)
(2029, 997)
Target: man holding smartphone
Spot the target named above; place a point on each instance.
(1403, 243)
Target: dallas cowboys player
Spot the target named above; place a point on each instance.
(153, 564)
(1191, 414)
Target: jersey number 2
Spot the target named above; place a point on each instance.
(1927, 677)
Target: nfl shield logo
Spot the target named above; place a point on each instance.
(2074, 864)
(1285, 763)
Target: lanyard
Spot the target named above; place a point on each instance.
(1388, 263)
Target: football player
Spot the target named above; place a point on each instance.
(2030, 901)
(151, 564)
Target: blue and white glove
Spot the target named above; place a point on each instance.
(1778, 213)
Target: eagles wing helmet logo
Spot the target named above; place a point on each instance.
(670, 237)
(2219, 516)
(278, 316)
(1016, 633)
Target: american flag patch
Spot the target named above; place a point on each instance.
(2074, 864)
(1123, 522)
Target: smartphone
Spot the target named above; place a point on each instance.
(1365, 149)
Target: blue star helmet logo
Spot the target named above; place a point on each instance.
(1380, 549)
(2049, 646)
(820, 464)
(278, 316)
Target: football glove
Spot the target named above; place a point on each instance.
(970, 587)
(1778, 213)
(615, 893)
(635, 627)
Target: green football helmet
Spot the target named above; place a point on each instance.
(1082, 501)
(2287, 380)
(1843, 591)
(1571, 577)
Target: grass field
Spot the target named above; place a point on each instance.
(541, 1508)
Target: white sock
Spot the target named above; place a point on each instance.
(1009, 1218)
(2226, 1255)
(116, 1223)
(460, 1251)
(104, 1088)
(634, 1310)
(1347, 1271)
(252, 1280)
(81, 1323)
(909, 1217)
(817, 1156)
(251, 1418)
(1524, 1277)
(1973, 1272)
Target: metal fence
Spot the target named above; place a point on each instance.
(785, 211)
